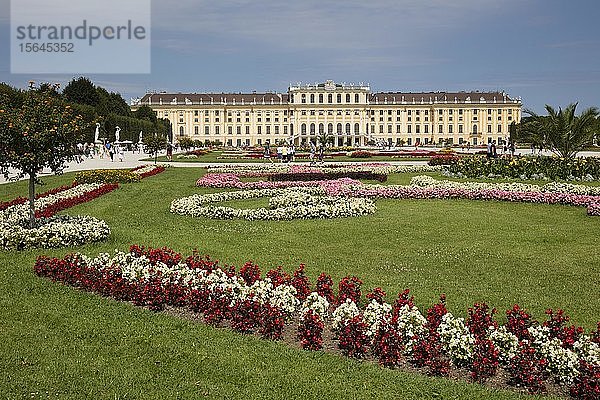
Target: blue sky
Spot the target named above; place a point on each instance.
(545, 51)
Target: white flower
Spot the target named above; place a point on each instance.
(318, 304)
(343, 313)
(456, 339)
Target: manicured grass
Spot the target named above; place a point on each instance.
(59, 342)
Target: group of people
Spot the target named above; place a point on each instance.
(492, 152)
(110, 149)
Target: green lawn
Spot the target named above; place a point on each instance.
(59, 342)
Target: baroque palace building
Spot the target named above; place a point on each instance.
(350, 113)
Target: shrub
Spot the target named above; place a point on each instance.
(310, 331)
(107, 176)
(376, 294)
(557, 323)
(278, 276)
(321, 176)
(246, 316)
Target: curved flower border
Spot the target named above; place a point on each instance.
(285, 204)
(528, 350)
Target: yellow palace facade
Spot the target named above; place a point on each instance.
(349, 113)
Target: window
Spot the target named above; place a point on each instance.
(440, 128)
(474, 129)
(356, 128)
(339, 129)
(247, 130)
(356, 98)
(499, 128)
(238, 130)
(259, 131)
(418, 129)
(330, 128)
(460, 128)
(268, 129)
(312, 129)
(347, 129)
(303, 129)
(489, 129)
(450, 129)
(303, 98)
(489, 111)
(440, 112)
(206, 130)
(330, 98)
(276, 130)
(398, 128)
(321, 98)
(285, 129)
(348, 98)
(312, 97)
(196, 130)
(426, 128)
(229, 130)
(339, 98)
(380, 128)
(321, 128)
(460, 112)
(410, 129)
(216, 130)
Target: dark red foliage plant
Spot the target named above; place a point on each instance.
(528, 370)
(349, 288)
(387, 345)
(480, 319)
(324, 287)
(272, 322)
(278, 276)
(403, 299)
(557, 323)
(246, 316)
(250, 273)
(301, 283)
(586, 385)
(377, 294)
(310, 331)
(485, 360)
(353, 340)
(518, 320)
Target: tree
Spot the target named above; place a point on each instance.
(145, 112)
(42, 132)
(185, 142)
(82, 91)
(562, 131)
(154, 143)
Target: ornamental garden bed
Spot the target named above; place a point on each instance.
(72, 344)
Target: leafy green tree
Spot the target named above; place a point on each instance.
(185, 142)
(81, 91)
(42, 132)
(154, 143)
(145, 112)
(562, 131)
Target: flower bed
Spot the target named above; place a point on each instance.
(548, 168)
(360, 154)
(299, 203)
(54, 231)
(145, 171)
(23, 200)
(443, 159)
(321, 176)
(533, 354)
(118, 175)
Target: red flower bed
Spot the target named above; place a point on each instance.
(321, 176)
(156, 290)
(68, 203)
(22, 200)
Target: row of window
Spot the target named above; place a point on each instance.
(321, 97)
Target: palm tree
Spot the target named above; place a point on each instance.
(562, 131)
